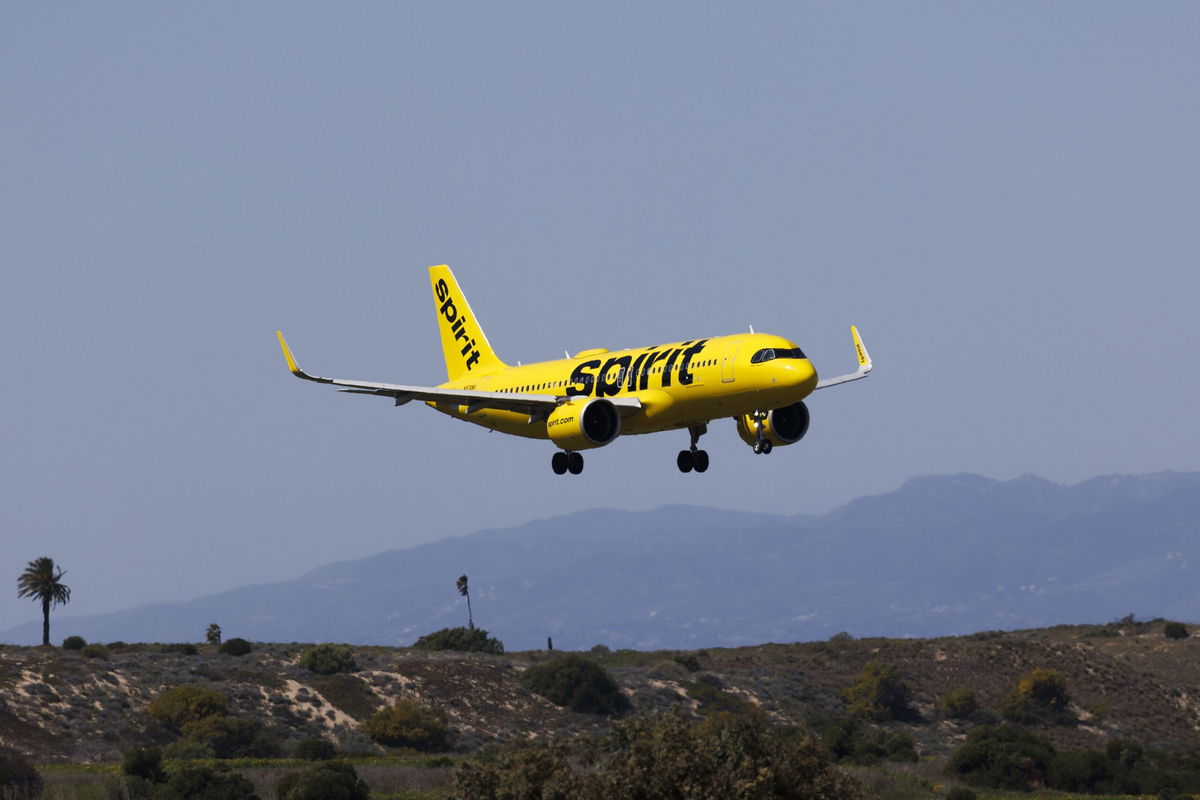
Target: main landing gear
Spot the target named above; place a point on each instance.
(565, 461)
(762, 444)
(692, 458)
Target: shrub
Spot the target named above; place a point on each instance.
(95, 651)
(145, 763)
(18, 778)
(237, 646)
(187, 750)
(314, 750)
(328, 659)
(688, 662)
(182, 648)
(576, 683)
(663, 756)
(879, 693)
(231, 737)
(74, 643)
(958, 703)
(959, 793)
(1039, 696)
(179, 705)
(1172, 630)
(1003, 758)
(600, 650)
(407, 723)
(848, 741)
(208, 783)
(334, 780)
(470, 640)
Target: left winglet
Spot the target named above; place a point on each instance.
(293, 366)
(864, 364)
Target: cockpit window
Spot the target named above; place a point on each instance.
(771, 353)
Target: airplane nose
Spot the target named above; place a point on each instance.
(802, 374)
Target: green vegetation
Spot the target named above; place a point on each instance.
(97, 651)
(18, 778)
(708, 693)
(42, 581)
(328, 659)
(237, 646)
(959, 793)
(1172, 630)
(407, 723)
(467, 640)
(1008, 757)
(879, 693)
(958, 703)
(74, 643)
(332, 780)
(208, 783)
(314, 750)
(577, 683)
(664, 756)
(145, 763)
(213, 634)
(1040, 696)
(180, 705)
(228, 737)
(1003, 758)
(851, 742)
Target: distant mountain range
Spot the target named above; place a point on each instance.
(938, 556)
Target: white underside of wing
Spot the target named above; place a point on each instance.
(475, 400)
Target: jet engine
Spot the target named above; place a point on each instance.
(782, 426)
(583, 424)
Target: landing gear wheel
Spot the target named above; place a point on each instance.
(575, 463)
(558, 462)
(766, 446)
(757, 447)
(700, 460)
(685, 461)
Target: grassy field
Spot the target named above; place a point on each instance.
(390, 777)
(412, 778)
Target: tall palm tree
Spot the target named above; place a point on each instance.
(461, 583)
(40, 581)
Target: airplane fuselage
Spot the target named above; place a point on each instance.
(679, 384)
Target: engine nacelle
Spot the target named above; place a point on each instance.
(782, 426)
(584, 424)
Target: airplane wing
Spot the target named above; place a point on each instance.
(864, 364)
(537, 406)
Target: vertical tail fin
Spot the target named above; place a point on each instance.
(464, 344)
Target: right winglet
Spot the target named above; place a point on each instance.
(864, 364)
(293, 366)
(864, 358)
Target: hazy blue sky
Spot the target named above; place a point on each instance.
(1003, 197)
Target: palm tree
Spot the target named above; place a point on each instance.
(40, 581)
(213, 634)
(465, 592)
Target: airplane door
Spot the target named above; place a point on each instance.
(727, 360)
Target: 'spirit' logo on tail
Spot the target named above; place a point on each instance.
(457, 324)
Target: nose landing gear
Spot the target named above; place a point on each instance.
(693, 458)
(565, 461)
(762, 444)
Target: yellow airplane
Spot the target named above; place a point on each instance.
(585, 401)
